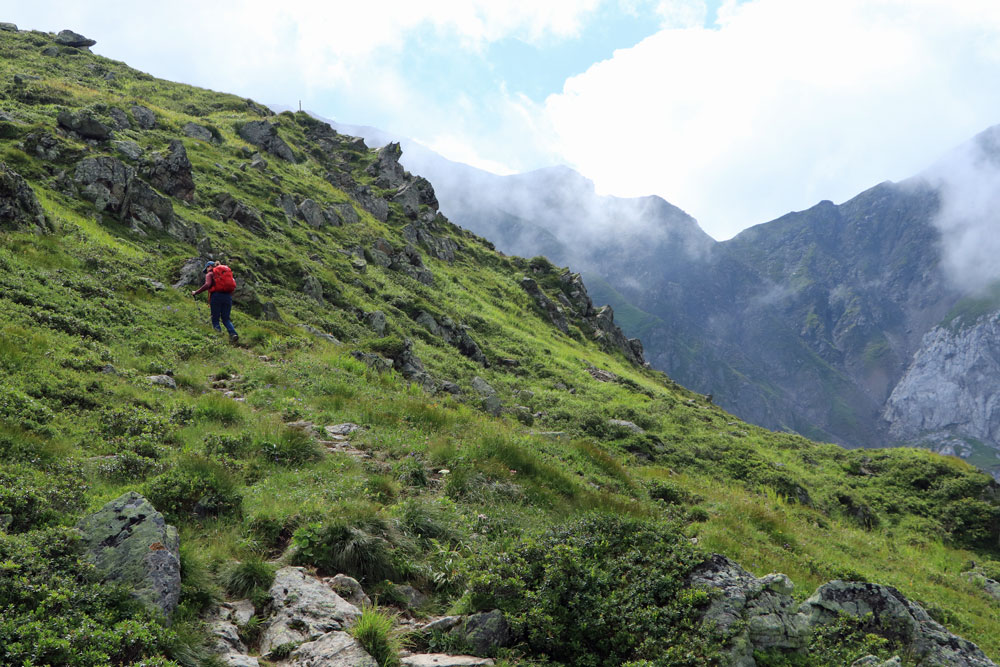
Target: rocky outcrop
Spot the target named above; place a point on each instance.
(130, 543)
(246, 216)
(760, 614)
(303, 609)
(386, 169)
(441, 247)
(548, 306)
(85, 124)
(264, 135)
(113, 186)
(611, 337)
(452, 334)
(442, 660)
(334, 649)
(19, 208)
(408, 260)
(144, 117)
(74, 39)
(171, 172)
(947, 398)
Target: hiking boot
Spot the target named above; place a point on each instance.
(234, 338)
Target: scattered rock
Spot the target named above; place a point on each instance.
(244, 215)
(376, 322)
(19, 208)
(199, 132)
(303, 608)
(50, 51)
(451, 388)
(483, 387)
(348, 588)
(346, 428)
(129, 149)
(312, 213)
(120, 119)
(129, 542)
(625, 424)
(442, 660)
(85, 124)
(171, 172)
(163, 381)
(144, 117)
(286, 203)
(7, 27)
(74, 39)
(412, 598)
(442, 624)
(374, 361)
(602, 375)
(264, 135)
(989, 586)
(313, 288)
(334, 649)
(484, 633)
(321, 334)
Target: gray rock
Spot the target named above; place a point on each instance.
(625, 424)
(85, 124)
(120, 118)
(171, 172)
(549, 307)
(442, 624)
(346, 213)
(442, 660)
(19, 208)
(303, 608)
(129, 149)
(386, 169)
(376, 322)
(610, 336)
(350, 589)
(413, 599)
(163, 381)
(427, 321)
(377, 206)
(240, 611)
(346, 428)
(192, 273)
(601, 375)
(199, 132)
(286, 203)
(485, 632)
(378, 363)
(451, 388)
(74, 39)
(50, 51)
(483, 387)
(989, 586)
(334, 649)
(244, 215)
(895, 617)
(312, 213)
(321, 334)
(313, 288)
(264, 135)
(144, 117)
(129, 542)
(7, 27)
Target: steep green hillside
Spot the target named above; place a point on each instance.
(510, 455)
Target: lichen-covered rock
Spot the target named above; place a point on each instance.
(334, 649)
(485, 632)
(349, 588)
(171, 172)
(130, 543)
(264, 135)
(755, 614)
(895, 617)
(443, 660)
(303, 609)
(244, 215)
(85, 124)
(19, 208)
(144, 118)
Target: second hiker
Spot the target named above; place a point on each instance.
(220, 285)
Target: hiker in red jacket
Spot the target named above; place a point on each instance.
(220, 285)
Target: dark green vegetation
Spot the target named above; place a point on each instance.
(478, 511)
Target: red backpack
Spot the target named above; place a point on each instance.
(222, 279)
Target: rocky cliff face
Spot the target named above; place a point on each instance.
(947, 398)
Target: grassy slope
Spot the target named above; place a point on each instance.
(73, 302)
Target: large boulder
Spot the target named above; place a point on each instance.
(85, 124)
(244, 215)
(264, 135)
(144, 117)
(485, 632)
(130, 543)
(199, 132)
(895, 617)
(19, 208)
(171, 172)
(312, 213)
(303, 609)
(75, 39)
(334, 649)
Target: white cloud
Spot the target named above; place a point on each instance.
(786, 103)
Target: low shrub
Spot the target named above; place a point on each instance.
(338, 546)
(246, 577)
(195, 488)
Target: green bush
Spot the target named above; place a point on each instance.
(195, 488)
(599, 592)
(338, 546)
(33, 499)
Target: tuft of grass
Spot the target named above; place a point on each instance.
(246, 577)
(374, 630)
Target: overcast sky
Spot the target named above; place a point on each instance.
(735, 111)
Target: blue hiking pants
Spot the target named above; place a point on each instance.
(222, 306)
